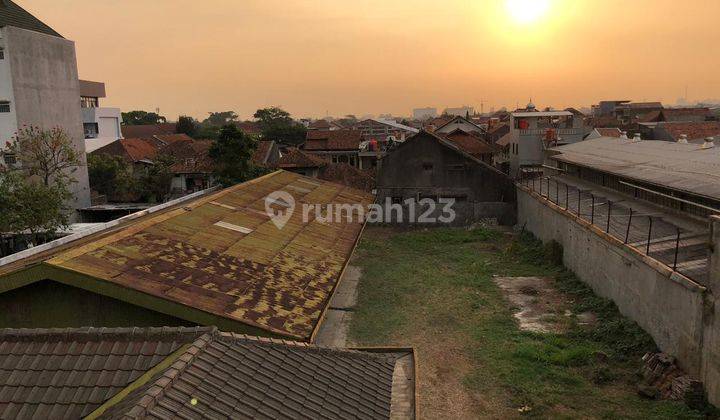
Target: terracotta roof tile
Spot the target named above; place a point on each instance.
(147, 130)
(296, 158)
(693, 130)
(609, 132)
(262, 152)
(333, 140)
(130, 149)
(319, 125)
(470, 144)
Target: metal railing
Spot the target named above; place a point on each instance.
(682, 250)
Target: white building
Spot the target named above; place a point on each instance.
(39, 85)
(424, 113)
(532, 132)
(101, 125)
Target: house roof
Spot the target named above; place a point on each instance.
(13, 15)
(191, 157)
(609, 132)
(505, 140)
(296, 158)
(461, 119)
(162, 140)
(193, 373)
(527, 114)
(249, 127)
(319, 125)
(262, 152)
(470, 144)
(130, 149)
(640, 105)
(217, 260)
(397, 125)
(346, 174)
(147, 130)
(684, 167)
(333, 140)
(693, 130)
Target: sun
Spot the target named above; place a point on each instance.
(527, 11)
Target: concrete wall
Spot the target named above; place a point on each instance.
(8, 120)
(47, 92)
(675, 311)
(711, 337)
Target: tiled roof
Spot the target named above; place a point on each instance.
(130, 149)
(191, 157)
(166, 139)
(693, 130)
(296, 158)
(147, 130)
(162, 373)
(220, 259)
(333, 140)
(641, 105)
(609, 132)
(319, 125)
(13, 15)
(68, 373)
(249, 127)
(262, 152)
(235, 376)
(470, 144)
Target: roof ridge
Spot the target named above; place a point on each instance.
(99, 333)
(158, 379)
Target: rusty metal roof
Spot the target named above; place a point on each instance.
(683, 167)
(222, 254)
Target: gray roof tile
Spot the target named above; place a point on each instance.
(13, 15)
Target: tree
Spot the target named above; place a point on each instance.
(141, 118)
(231, 153)
(110, 176)
(49, 155)
(219, 119)
(276, 124)
(186, 125)
(155, 183)
(30, 206)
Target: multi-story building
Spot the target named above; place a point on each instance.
(39, 85)
(382, 130)
(101, 125)
(531, 132)
(424, 113)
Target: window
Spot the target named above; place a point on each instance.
(9, 158)
(4, 106)
(88, 102)
(427, 166)
(91, 130)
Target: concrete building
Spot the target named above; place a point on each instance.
(607, 108)
(39, 85)
(532, 132)
(336, 146)
(422, 114)
(100, 124)
(427, 166)
(382, 130)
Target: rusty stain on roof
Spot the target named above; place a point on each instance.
(276, 279)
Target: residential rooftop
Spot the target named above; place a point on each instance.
(196, 372)
(215, 260)
(682, 167)
(13, 15)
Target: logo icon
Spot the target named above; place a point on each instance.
(279, 206)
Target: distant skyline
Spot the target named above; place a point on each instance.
(370, 57)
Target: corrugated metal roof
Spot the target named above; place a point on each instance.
(684, 167)
(279, 280)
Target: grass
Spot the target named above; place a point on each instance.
(433, 289)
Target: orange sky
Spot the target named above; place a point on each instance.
(376, 56)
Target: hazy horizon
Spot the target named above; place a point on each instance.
(371, 57)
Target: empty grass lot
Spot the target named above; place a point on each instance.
(433, 289)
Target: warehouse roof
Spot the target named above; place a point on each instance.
(683, 167)
(216, 260)
(195, 372)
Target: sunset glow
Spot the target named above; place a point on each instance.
(527, 11)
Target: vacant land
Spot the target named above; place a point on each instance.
(433, 289)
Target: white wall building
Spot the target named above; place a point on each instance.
(424, 113)
(39, 85)
(101, 125)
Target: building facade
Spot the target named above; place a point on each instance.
(424, 113)
(39, 85)
(100, 124)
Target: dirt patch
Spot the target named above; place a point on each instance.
(537, 302)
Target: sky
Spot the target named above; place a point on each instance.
(336, 57)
